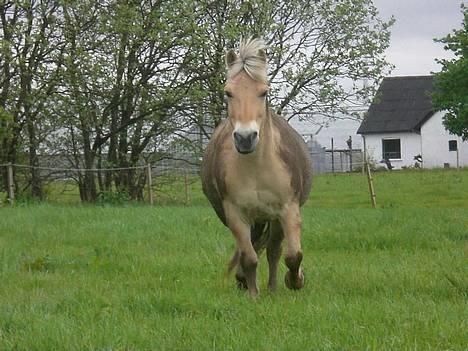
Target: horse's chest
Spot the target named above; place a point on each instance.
(260, 195)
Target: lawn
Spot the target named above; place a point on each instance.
(152, 278)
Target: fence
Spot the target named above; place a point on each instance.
(168, 181)
(337, 161)
(334, 160)
(16, 179)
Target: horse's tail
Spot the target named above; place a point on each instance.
(259, 235)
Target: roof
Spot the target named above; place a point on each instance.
(402, 104)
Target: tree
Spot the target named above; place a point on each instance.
(325, 57)
(30, 58)
(451, 83)
(122, 85)
(111, 83)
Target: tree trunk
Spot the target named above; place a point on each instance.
(36, 183)
(89, 180)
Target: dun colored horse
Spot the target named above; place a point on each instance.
(257, 173)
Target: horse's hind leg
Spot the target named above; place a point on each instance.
(291, 223)
(274, 253)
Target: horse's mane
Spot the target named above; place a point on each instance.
(251, 59)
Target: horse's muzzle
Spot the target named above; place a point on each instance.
(245, 142)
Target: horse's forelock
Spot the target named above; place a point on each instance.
(251, 59)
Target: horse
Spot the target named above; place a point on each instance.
(257, 173)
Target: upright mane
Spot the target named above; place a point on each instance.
(251, 59)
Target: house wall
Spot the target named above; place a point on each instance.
(435, 149)
(410, 146)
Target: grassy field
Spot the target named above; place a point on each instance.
(142, 278)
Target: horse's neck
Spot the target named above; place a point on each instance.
(266, 146)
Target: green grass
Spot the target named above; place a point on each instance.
(413, 188)
(142, 278)
(416, 188)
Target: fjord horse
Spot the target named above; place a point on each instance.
(256, 173)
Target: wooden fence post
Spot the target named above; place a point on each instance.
(187, 197)
(333, 156)
(371, 185)
(150, 182)
(11, 185)
(364, 158)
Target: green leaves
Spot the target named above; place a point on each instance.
(451, 82)
(119, 79)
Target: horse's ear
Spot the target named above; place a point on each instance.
(262, 55)
(231, 57)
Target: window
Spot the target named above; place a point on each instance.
(452, 145)
(391, 149)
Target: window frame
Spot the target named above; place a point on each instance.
(451, 143)
(397, 153)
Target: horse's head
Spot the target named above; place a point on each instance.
(246, 90)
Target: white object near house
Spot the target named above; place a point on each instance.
(401, 124)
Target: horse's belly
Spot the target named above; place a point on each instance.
(258, 204)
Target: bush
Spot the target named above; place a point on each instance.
(113, 198)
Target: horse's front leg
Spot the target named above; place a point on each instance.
(248, 257)
(291, 223)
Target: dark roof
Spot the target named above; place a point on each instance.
(402, 104)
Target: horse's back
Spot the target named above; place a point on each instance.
(294, 153)
(211, 172)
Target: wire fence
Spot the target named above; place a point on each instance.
(112, 185)
(169, 181)
(337, 161)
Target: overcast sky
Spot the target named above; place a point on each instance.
(412, 49)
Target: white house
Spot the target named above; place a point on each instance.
(401, 124)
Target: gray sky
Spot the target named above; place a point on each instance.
(412, 49)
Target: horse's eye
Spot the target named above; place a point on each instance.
(264, 94)
(228, 94)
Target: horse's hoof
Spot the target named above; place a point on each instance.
(294, 283)
(272, 287)
(241, 282)
(253, 294)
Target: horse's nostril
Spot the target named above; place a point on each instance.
(237, 137)
(252, 136)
